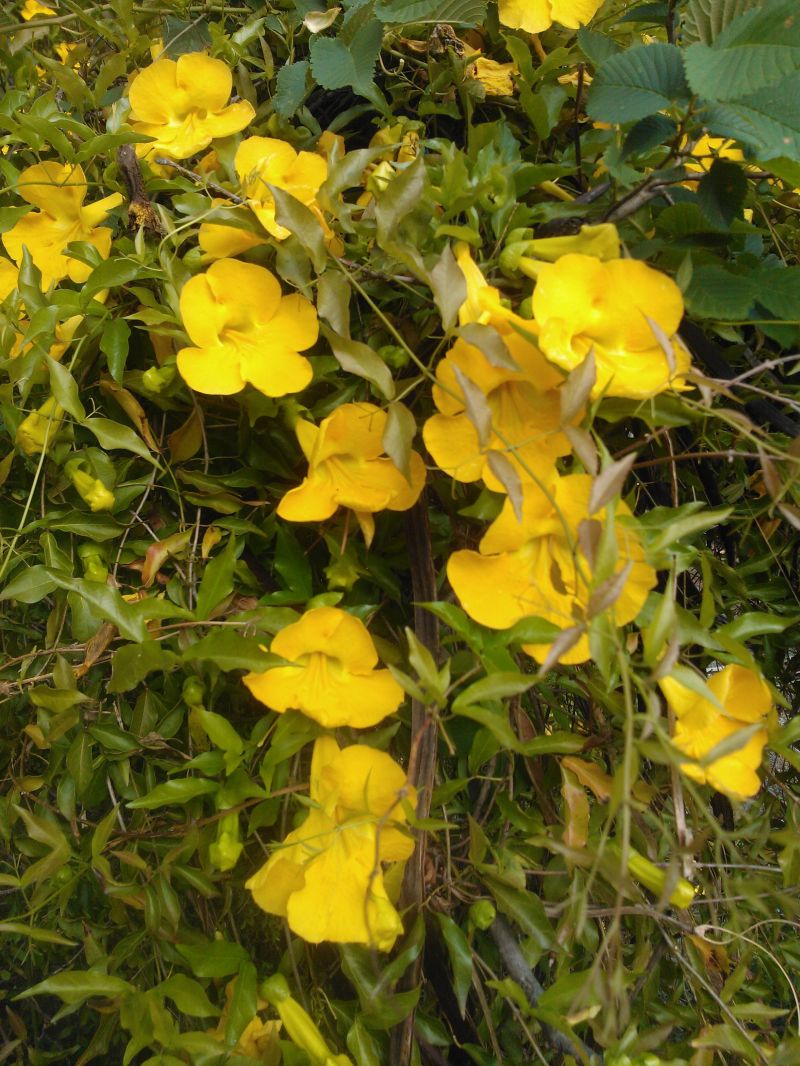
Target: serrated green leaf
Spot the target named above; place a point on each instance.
(454, 12)
(339, 65)
(636, 83)
(290, 88)
(704, 20)
(715, 292)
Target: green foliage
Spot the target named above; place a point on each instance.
(143, 784)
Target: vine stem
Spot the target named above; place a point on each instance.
(422, 763)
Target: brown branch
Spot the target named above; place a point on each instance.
(422, 764)
(141, 212)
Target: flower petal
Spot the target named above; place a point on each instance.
(312, 501)
(57, 188)
(344, 899)
(212, 371)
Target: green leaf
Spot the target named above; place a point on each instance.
(219, 731)
(290, 88)
(715, 292)
(45, 936)
(32, 584)
(107, 602)
(721, 191)
(230, 651)
(217, 581)
(65, 389)
(779, 291)
(339, 65)
(448, 285)
(358, 358)
(756, 624)
(182, 36)
(188, 996)
(111, 435)
(460, 959)
(291, 562)
(637, 83)
(524, 908)
(243, 1004)
(177, 791)
(75, 986)
(496, 686)
(110, 274)
(704, 20)
(454, 12)
(297, 218)
(114, 342)
(398, 436)
(133, 662)
(214, 958)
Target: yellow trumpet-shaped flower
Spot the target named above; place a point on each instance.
(536, 568)
(327, 876)
(245, 331)
(218, 241)
(581, 304)
(700, 727)
(706, 149)
(90, 489)
(347, 467)
(524, 407)
(58, 190)
(535, 16)
(264, 161)
(333, 677)
(496, 78)
(36, 433)
(32, 9)
(183, 105)
(524, 256)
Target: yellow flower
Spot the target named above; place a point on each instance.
(32, 8)
(524, 406)
(535, 16)
(183, 105)
(36, 433)
(218, 241)
(746, 702)
(301, 1028)
(333, 679)
(581, 304)
(347, 467)
(63, 52)
(63, 334)
(707, 149)
(496, 78)
(90, 489)
(9, 274)
(535, 567)
(245, 331)
(525, 256)
(327, 878)
(264, 161)
(58, 190)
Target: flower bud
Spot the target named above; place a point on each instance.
(482, 914)
(654, 878)
(158, 378)
(39, 429)
(95, 567)
(226, 849)
(193, 692)
(302, 1030)
(90, 489)
(524, 256)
